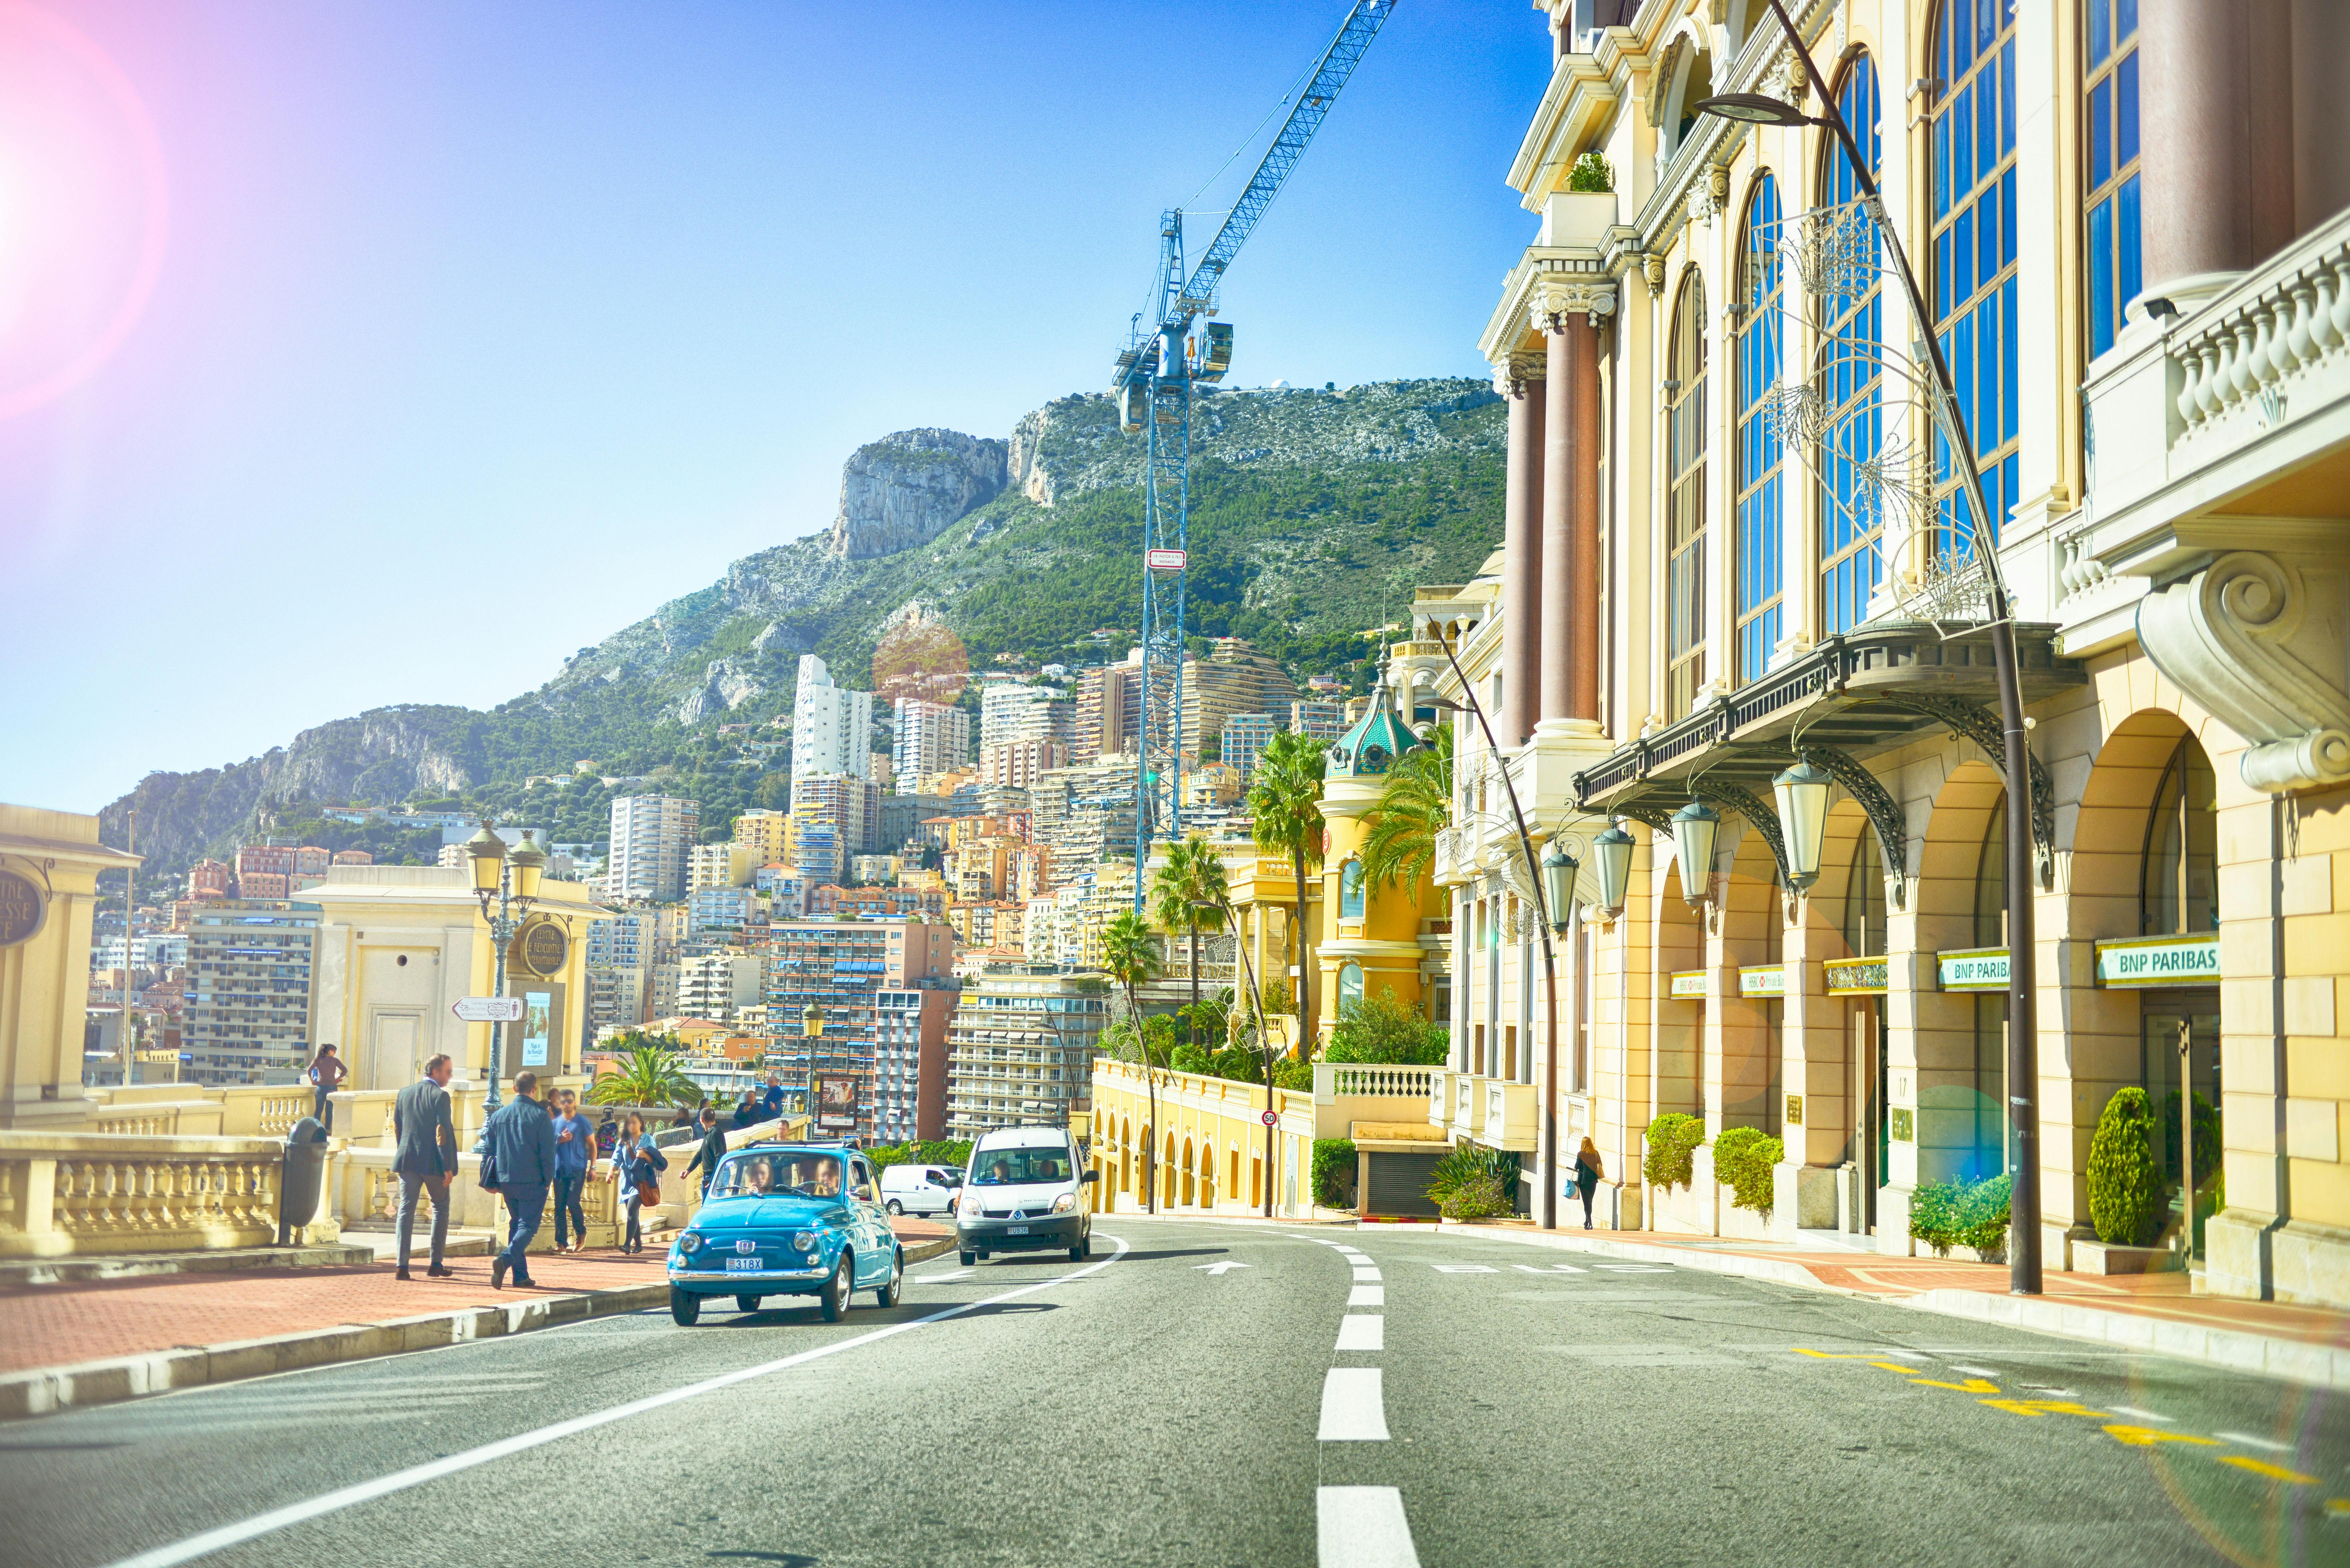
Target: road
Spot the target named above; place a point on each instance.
(1423, 1398)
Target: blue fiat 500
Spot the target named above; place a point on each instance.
(787, 1219)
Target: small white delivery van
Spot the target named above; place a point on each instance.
(921, 1189)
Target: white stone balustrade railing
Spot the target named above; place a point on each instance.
(2247, 350)
(1371, 1080)
(106, 1193)
(262, 1110)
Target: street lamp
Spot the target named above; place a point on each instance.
(2023, 1005)
(812, 1031)
(1802, 794)
(1558, 869)
(1611, 849)
(513, 879)
(1694, 827)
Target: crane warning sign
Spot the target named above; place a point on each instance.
(1163, 560)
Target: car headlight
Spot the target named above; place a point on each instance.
(1067, 1203)
(805, 1241)
(689, 1242)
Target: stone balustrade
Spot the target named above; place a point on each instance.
(2247, 351)
(1334, 1080)
(111, 1193)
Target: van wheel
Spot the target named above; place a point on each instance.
(968, 1260)
(894, 1286)
(833, 1299)
(982, 1257)
(1082, 1251)
(684, 1307)
(746, 1304)
(896, 1209)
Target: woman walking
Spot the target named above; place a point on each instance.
(635, 1160)
(1586, 1175)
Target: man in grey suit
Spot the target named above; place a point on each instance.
(425, 1160)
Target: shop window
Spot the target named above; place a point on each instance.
(1350, 890)
(2110, 141)
(1850, 373)
(1685, 503)
(1762, 344)
(2182, 848)
(1974, 252)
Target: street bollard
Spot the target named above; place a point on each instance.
(299, 1181)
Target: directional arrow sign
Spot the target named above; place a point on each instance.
(1224, 1267)
(488, 1009)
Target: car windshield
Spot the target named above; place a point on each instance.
(795, 1174)
(1021, 1166)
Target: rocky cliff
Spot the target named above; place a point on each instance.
(906, 489)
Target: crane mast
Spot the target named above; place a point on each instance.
(1151, 385)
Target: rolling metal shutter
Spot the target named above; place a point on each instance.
(1398, 1182)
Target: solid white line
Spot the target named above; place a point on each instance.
(1362, 1331)
(1367, 1295)
(2141, 1414)
(1362, 1527)
(228, 1535)
(1354, 1408)
(2252, 1442)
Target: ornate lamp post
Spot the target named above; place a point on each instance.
(812, 1031)
(512, 878)
(1949, 421)
(1263, 1039)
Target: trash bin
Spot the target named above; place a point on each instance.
(299, 1181)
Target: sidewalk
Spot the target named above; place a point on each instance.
(94, 1342)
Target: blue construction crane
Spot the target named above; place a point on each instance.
(1151, 385)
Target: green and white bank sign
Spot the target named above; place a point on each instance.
(2192, 959)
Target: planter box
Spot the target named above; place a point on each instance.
(1578, 218)
(2106, 1258)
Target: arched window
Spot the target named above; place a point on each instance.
(2117, 266)
(1974, 250)
(1762, 346)
(1350, 890)
(1350, 984)
(1850, 375)
(1685, 503)
(2182, 848)
(1863, 899)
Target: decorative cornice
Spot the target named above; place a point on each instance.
(1557, 298)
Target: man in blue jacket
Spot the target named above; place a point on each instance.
(519, 1142)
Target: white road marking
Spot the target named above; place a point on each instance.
(2141, 1414)
(1354, 1406)
(1362, 1527)
(1366, 1273)
(1362, 1331)
(1634, 1268)
(1221, 1267)
(260, 1524)
(939, 1279)
(1349, 1251)
(1367, 1295)
(2252, 1442)
(1549, 1269)
(1975, 1371)
(1462, 1269)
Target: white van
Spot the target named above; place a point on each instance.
(1025, 1193)
(921, 1189)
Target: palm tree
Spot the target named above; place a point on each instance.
(1415, 805)
(1188, 894)
(651, 1074)
(1286, 809)
(1130, 956)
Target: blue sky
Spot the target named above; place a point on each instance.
(480, 328)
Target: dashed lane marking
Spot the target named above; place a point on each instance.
(1634, 1268)
(1365, 1274)
(2141, 1414)
(2252, 1442)
(1362, 1527)
(1367, 1295)
(1362, 1331)
(1353, 1406)
(1551, 1269)
(1462, 1269)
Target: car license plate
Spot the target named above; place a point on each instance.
(743, 1265)
(1016, 1230)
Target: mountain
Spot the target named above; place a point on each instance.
(1313, 515)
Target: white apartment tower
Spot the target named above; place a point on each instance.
(832, 727)
(932, 738)
(1009, 712)
(652, 836)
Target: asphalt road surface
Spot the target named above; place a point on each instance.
(1221, 1394)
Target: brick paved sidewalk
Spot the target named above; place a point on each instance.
(66, 1324)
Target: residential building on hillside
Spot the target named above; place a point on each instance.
(1245, 737)
(762, 832)
(1233, 679)
(651, 837)
(814, 848)
(1323, 721)
(902, 816)
(1108, 713)
(210, 876)
(615, 997)
(720, 985)
(1018, 764)
(251, 999)
(784, 889)
(723, 912)
(1020, 1048)
(932, 738)
(840, 968)
(1019, 712)
(851, 804)
(910, 1077)
(726, 863)
(1083, 813)
(832, 727)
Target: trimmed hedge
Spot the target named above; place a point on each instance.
(2126, 1197)
(1334, 1172)
(1744, 1160)
(1673, 1137)
(1947, 1214)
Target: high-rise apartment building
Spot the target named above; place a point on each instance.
(1245, 737)
(1020, 1048)
(910, 1086)
(720, 985)
(619, 956)
(832, 727)
(1323, 721)
(841, 967)
(250, 993)
(1017, 765)
(652, 835)
(727, 863)
(1233, 679)
(852, 805)
(932, 738)
(1109, 715)
(725, 913)
(1009, 712)
(762, 832)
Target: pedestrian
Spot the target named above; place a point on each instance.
(424, 1158)
(636, 1161)
(713, 1149)
(326, 1073)
(519, 1144)
(684, 1118)
(1587, 1172)
(747, 1113)
(574, 1152)
(771, 1099)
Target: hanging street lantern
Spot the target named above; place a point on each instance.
(529, 865)
(812, 1022)
(1694, 826)
(1558, 869)
(1801, 793)
(1611, 849)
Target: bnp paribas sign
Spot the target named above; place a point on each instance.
(2191, 959)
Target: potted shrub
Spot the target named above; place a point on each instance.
(1583, 212)
(2127, 1203)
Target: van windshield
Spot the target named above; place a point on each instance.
(1020, 1167)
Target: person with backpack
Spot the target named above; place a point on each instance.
(1587, 1172)
(636, 1162)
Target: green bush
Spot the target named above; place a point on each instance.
(1745, 1160)
(1239, 1064)
(923, 1152)
(1591, 171)
(1382, 1029)
(1475, 1182)
(1673, 1137)
(2126, 1197)
(1188, 1058)
(1334, 1172)
(1947, 1214)
(2207, 1140)
(1982, 1215)
(1292, 1072)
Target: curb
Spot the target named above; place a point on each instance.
(37, 1272)
(2289, 1360)
(47, 1390)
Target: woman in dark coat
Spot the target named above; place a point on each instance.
(1586, 1177)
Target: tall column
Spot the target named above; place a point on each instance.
(1568, 315)
(2218, 186)
(1559, 458)
(1520, 380)
(1584, 629)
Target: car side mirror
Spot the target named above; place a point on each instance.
(1090, 1175)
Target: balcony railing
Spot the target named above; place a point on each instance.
(1371, 1080)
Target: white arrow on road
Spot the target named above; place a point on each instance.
(937, 1279)
(1226, 1266)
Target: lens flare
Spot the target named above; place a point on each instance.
(83, 208)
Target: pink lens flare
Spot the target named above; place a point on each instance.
(83, 208)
